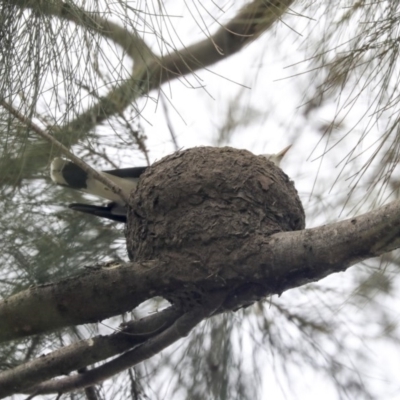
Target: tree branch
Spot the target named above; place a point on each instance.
(151, 71)
(84, 353)
(275, 263)
(181, 328)
(130, 41)
(251, 21)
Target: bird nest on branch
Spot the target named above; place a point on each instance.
(204, 211)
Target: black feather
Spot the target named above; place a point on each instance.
(111, 211)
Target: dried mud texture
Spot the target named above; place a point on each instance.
(200, 209)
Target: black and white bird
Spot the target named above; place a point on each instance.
(68, 174)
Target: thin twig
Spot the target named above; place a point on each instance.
(169, 122)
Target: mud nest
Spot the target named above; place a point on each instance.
(200, 209)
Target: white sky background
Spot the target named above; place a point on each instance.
(262, 75)
(197, 115)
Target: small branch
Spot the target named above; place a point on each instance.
(181, 328)
(90, 391)
(49, 138)
(84, 353)
(169, 122)
(247, 25)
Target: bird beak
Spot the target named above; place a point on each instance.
(282, 153)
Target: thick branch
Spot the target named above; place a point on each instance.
(277, 263)
(84, 353)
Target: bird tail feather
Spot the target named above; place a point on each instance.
(68, 174)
